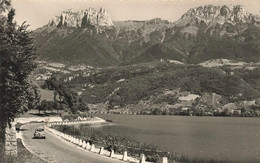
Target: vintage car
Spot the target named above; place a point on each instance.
(39, 133)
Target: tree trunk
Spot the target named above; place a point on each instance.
(2, 141)
(2, 133)
(10, 140)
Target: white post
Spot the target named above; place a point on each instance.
(92, 148)
(80, 142)
(112, 153)
(87, 146)
(142, 160)
(124, 156)
(84, 144)
(77, 141)
(164, 160)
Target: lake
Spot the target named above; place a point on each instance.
(235, 139)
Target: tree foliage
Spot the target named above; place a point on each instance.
(49, 106)
(148, 82)
(64, 95)
(17, 54)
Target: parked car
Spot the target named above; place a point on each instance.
(39, 133)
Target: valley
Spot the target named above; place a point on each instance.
(154, 66)
(163, 88)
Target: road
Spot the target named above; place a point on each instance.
(54, 149)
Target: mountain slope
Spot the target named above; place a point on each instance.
(202, 33)
(160, 84)
(69, 45)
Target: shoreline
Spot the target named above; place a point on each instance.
(174, 115)
(154, 153)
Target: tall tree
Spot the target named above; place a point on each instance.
(4, 5)
(17, 54)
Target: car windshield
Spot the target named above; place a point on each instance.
(39, 129)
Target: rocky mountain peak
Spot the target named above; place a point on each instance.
(83, 18)
(103, 18)
(219, 14)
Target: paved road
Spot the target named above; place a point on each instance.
(54, 149)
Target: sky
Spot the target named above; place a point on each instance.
(38, 12)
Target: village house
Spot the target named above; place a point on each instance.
(230, 107)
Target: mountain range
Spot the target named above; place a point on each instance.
(204, 33)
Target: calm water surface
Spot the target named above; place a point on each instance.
(224, 138)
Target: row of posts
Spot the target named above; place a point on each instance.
(87, 146)
(67, 123)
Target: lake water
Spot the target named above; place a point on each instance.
(224, 138)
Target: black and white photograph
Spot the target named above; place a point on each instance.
(129, 81)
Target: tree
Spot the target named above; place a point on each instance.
(42, 106)
(52, 83)
(17, 54)
(50, 106)
(4, 5)
(60, 107)
(156, 111)
(83, 107)
(35, 98)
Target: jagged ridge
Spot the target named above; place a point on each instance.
(83, 18)
(197, 36)
(221, 14)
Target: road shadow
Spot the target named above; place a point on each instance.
(38, 138)
(21, 129)
(44, 114)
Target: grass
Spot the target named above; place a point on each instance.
(46, 95)
(24, 155)
(35, 113)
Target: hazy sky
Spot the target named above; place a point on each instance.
(38, 12)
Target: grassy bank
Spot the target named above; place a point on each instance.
(24, 155)
(120, 144)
